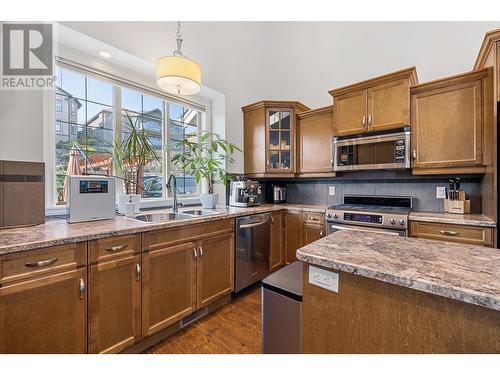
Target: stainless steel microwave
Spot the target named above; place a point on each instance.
(389, 150)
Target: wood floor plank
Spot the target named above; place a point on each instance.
(233, 329)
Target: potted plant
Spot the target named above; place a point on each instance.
(204, 156)
(130, 155)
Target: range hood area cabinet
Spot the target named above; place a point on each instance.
(489, 56)
(377, 104)
(315, 140)
(270, 138)
(452, 118)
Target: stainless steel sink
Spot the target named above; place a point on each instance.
(162, 217)
(200, 212)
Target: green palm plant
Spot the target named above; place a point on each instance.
(203, 156)
(133, 152)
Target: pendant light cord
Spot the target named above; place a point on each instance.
(178, 52)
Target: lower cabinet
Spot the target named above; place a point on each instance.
(312, 233)
(293, 220)
(277, 241)
(114, 304)
(168, 286)
(45, 315)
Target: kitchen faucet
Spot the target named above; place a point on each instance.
(173, 188)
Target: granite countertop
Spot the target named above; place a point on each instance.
(58, 231)
(467, 273)
(477, 220)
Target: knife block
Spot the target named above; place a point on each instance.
(457, 207)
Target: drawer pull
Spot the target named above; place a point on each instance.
(82, 289)
(138, 271)
(114, 249)
(42, 263)
(449, 232)
(313, 218)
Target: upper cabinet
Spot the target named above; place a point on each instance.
(489, 56)
(450, 119)
(270, 137)
(315, 132)
(377, 104)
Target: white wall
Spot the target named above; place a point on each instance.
(250, 61)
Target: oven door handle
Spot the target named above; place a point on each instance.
(375, 230)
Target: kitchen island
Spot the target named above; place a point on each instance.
(401, 295)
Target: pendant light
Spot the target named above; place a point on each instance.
(177, 74)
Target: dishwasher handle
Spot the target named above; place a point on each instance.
(254, 224)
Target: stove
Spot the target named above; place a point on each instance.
(387, 214)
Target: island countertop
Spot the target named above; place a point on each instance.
(467, 273)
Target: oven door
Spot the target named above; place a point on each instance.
(334, 227)
(385, 151)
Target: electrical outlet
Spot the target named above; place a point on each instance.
(331, 190)
(440, 192)
(324, 279)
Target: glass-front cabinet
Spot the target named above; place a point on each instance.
(280, 135)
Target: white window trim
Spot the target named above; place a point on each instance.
(48, 102)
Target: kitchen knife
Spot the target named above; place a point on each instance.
(451, 184)
(457, 187)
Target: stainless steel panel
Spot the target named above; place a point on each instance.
(333, 227)
(281, 324)
(252, 249)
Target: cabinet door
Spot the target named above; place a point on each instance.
(215, 268)
(447, 126)
(349, 111)
(168, 286)
(293, 234)
(277, 258)
(316, 143)
(255, 141)
(389, 105)
(45, 315)
(114, 305)
(280, 139)
(312, 233)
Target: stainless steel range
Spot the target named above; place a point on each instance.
(388, 214)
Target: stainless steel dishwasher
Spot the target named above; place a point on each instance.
(252, 249)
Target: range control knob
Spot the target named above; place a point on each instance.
(402, 222)
(335, 216)
(329, 216)
(392, 221)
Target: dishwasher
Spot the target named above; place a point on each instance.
(252, 249)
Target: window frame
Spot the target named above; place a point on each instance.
(49, 132)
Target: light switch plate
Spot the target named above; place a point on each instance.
(331, 190)
(440, 192)
(324, 279)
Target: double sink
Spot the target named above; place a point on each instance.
(160, 217)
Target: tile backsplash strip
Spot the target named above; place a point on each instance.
(421, 188)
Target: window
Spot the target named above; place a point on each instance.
(85, 129)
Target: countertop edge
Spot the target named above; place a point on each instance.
(471, 297)
(487, 223)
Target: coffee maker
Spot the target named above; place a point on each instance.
(279, 194)
(244, 193)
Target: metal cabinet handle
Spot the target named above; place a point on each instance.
(449, 232)
(313, 218)
(137, 271)
(195, 253)
(42, 263)
(114, 249)
(364, 121)
(201, 251)
(272, 220)
(414, 155)
(321, 234)
(331, 162)
(369, 119)
(82, 289)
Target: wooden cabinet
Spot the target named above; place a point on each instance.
(453, 233)
(313, 227)
(270, 138)
(448, 118)
(489, 56)
(185, 269)
(43, 308)
(293, 241)
(315, 138)
(377, 104)
(214, 269)
(277, 241)
(114, 294)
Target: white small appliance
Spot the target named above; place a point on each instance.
(91, 198)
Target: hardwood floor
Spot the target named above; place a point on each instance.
(233, 329)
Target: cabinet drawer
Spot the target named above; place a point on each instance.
(453, 233)
(25, 265)
(314, 218)
(161, 238)
(114, 247)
